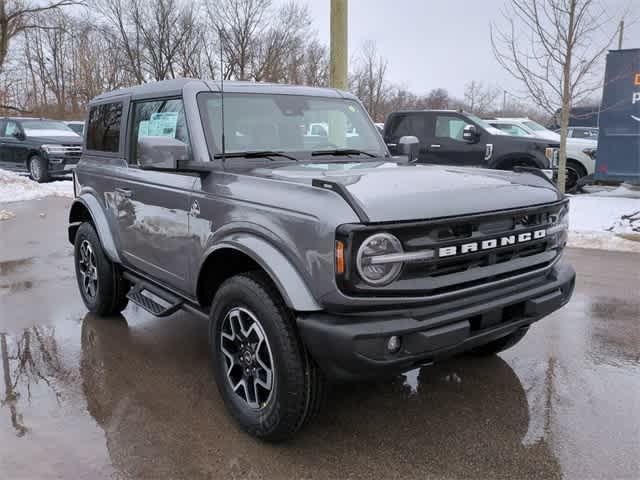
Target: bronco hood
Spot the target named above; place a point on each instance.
(387, 191)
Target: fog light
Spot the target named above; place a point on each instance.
(393, 344)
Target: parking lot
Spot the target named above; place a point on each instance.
(133, 397)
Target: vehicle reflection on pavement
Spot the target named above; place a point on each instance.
(149, 388)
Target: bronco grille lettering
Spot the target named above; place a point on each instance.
(491, 243)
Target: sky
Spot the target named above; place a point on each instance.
(436, 43)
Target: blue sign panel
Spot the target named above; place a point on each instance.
(618, 156)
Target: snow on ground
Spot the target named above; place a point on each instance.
(16, 188)
(6, 215)
(607, 223)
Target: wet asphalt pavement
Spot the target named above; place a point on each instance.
(132, 397)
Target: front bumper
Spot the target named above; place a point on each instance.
(62, 164)
(350, 347)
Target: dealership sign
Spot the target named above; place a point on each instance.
(618, 155)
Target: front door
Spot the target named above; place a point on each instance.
(405, 124)
(446, 145)
(153, 208)
(10, 144)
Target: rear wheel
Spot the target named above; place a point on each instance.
(265, 376)
(38, 169)
(103, 290)
(501, 344)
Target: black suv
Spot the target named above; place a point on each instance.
(462, 139)
(41, 147)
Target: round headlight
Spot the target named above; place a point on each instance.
(374, 262)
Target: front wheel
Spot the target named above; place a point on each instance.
(38, 169)
(103, 290)
(266, 378)
(501, 344)
(575, 171)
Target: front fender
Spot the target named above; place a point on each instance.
(88, 203)
(285, 276)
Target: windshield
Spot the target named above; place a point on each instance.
(511, 129)
(536, 127)
(46, 128)
(294, 124)
(76, 127)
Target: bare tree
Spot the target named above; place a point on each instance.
(241, 25)
(554, 48)
(480, 99)
(316, 65)
(368, 81)
(438, 99)
(16, 16)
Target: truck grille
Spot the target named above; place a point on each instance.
(72, 150)
(452, 267)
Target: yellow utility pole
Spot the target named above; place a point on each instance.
(338, 69)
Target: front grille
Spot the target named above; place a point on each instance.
(443, 273)
(72, 150)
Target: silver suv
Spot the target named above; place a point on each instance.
(314, 255)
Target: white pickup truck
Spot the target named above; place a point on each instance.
(581, 153)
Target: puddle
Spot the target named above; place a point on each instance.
(15, 287)
(12, 266)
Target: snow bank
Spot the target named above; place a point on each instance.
(608, 223)
(16, 188)
(6, 215)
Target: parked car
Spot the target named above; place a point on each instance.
(578, 117)
(581, 153)
(458, 138)
(44, 148)
(587, 133)
(77, 126)
(311, 260)
(380, 127)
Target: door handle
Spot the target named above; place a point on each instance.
(125, 192)
(434, 146)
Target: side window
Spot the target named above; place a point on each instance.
(449, 127)
(158, 118)
(407, 125)
(103, 128)
(11, 128)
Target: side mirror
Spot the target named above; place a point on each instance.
(408, 145)
(161, 153)
(19, 135)
(470, 133)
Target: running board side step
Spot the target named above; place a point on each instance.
(154, 300)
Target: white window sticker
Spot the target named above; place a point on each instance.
(163, 124)
(143, 129)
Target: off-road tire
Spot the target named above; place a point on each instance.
(299, 387)
(501, 344)
(110, 296)
(38, 169)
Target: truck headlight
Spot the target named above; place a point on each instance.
(559, 225)
(53, 149)
(590, 152)
(552, 154)
(377, 259)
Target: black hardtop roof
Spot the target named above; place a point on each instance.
(426, 110)
(176, 86)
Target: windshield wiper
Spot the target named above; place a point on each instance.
(256, 154)
(343, 151)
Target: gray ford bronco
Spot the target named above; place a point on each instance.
(277, 213)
